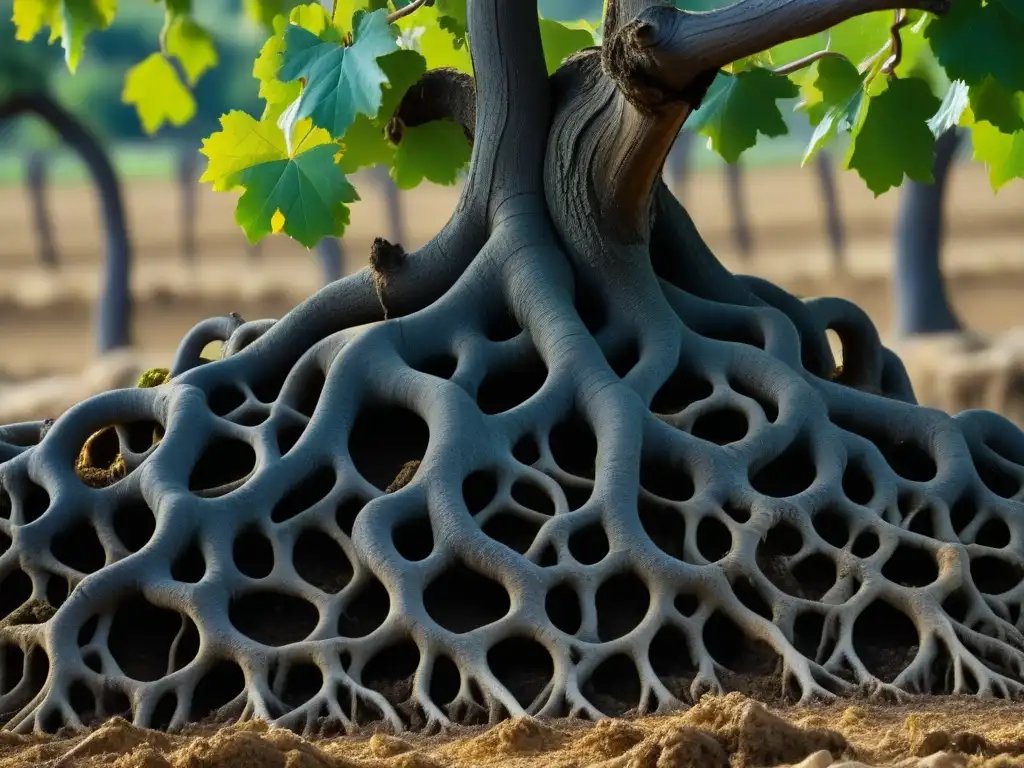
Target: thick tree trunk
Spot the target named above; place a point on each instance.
(833, 219)
(919, 289)
(188, 182)
(113, 316)
(35, 183)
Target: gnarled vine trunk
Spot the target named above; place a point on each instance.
(35, 183)
(579, 469)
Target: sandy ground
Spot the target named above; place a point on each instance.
(716, 733)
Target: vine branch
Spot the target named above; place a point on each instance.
(675, 46)
(804, 62)
(410, 9)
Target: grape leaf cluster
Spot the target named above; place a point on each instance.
(332, 81)
(964, 68)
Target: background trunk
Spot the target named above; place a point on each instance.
(35, 182)
(922, 305)
(188, 180)
(833, 220)
(332, 259)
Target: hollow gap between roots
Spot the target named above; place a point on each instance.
(309, 391)
(253, 553)
(414, 538)
(442, 366)
(34, 503)
(530, 495)
(319, 560)
(911, 566)
(614, 686)
(134, 524)
(190, 565)
(907, 459)
(621, 601)
(164, 711)
(461, 599)
(562, 605)
(79, 548)
(513, 529)
(670, 658)
(682, 389)
(624, 359)
(287, 436)
(385, 439)
(885, 640)
(750, 666)
(574, 446)
(390, 671)
(307, 493)
(526, 451)
(994, 533)
(831, 525)
(665, 526)
(523, 666)
(995, 575)
(273, 618)
(221, 684)
(713, 539)
(589, 545)
(141, 637)
(667, 480)
(224, 399)
(504, 388)
(789, 474)
(223, 462)
(857, 485)
(364, 610)
(722, 426)
(445, 681)
(57, 590)
(479, 489)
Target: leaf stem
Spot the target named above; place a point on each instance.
(806, 61)
(408, 10)
(902, 19)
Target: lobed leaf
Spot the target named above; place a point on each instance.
(153, 87)
(302, 193)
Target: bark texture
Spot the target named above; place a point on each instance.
(581, 470)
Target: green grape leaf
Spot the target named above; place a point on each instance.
(424, 32)
(365, 144)
(301, 193)
(996, 105)
(738, 107)
(340, 82)
(452, 19)
(951, 110)
(265, 69)
(1003, 153)
(839, 92)
(190, 44)
(435, 151)
(560, 42)
(403, 69)
(892, 139)
(157, 93)
(263, 12)
(71, 21)
(974, 40)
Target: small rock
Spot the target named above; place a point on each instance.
(943, 760)
(820, 759)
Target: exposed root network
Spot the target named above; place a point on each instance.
(578, 520)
